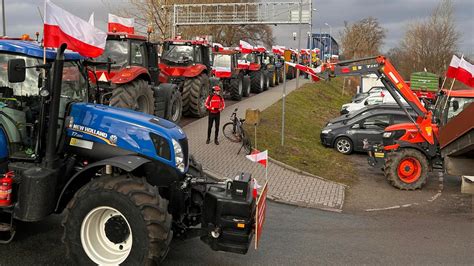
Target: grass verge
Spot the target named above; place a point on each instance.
(307, 111)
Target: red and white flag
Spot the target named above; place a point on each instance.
(245, 47)
(119, 24)
(219, 47)
(61, 27)
(260, 49)
(465, 73)
(309, 70)
(278, 49)
(453, 67)
(259, 157)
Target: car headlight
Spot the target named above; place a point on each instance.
(326, 131)
(387, 134)
(178, 155)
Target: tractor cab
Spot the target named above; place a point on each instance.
(186, 52)
(23, 104)
(450, 104)
(127, 54)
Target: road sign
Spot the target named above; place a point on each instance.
(260, 213)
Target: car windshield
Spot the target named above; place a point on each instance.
(27, 88)
(222, 60)
(178, 53)
(117, 51)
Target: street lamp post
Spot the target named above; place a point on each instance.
(330, 40)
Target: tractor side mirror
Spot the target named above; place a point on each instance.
(40, 80)
(455, 105)
(16, 70)
(366, 102)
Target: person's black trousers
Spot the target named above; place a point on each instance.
(213, 117)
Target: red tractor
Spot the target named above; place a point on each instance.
(130, 78)
(253, 63)
(227, 73)
(409, 150)
(187, 64)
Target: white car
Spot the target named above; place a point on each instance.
(359, 104)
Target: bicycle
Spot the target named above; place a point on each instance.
(235, 132)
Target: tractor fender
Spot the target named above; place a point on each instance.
(404, 145)
(128, 163)
(194, 71)
(130, 74)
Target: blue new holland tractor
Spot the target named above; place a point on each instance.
(124, 180)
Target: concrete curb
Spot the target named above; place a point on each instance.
(294, 169)
(218, 177)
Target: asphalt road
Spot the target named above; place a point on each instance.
(300, 236)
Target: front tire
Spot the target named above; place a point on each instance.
(236, 88)
(195, 92)
(258, 81)
(136, 95)
(117, 220)
(246, 84)
(344, 145)
(168, 102)
(406, 169)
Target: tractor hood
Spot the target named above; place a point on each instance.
(133, 131)
(182, 71)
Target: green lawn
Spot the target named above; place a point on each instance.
(307, 111)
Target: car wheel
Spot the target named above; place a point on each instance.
(343, 145)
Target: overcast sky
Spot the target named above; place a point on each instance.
(23, 17)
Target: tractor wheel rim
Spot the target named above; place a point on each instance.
(343, 146)
(409, 170)
(106, 236)
(142, 105)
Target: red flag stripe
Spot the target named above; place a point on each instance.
(117, 27)
(56, 37)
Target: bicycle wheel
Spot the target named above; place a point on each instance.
(231, 132)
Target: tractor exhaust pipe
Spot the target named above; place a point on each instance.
(55, 89)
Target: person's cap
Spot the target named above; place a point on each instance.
(216, 88)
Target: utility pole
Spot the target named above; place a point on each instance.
(3, 18)
(299, 44)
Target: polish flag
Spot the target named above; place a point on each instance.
(245, 47)
(280, 50)
(218, 47)
(61, 27)
(465, 73)
(119, 24)
(453, 67)
(309, 70)
(260, 49)
(259, 157)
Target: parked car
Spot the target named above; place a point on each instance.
(379, 95)
(362, 111)
(363, 95)
(347, 136)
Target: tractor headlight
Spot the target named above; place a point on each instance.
(178, 155)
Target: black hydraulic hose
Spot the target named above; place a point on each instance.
(51, 155)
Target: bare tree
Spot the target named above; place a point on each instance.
(363, 38)
(430, 44)
(158, 14)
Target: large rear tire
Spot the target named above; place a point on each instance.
(257, 81)
(117, 220)
(236, 88)
(281, 78)
(195, 92)
(406, 169)
(136, 95)
(272, 78)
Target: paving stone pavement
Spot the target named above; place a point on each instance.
(285, 185)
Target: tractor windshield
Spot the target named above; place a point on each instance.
(178, 54)
(27, 88)
(117, 51)
(251, 58)
(222, 60)
(454, 106)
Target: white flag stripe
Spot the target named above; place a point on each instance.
(455, 61)
(73, 25)
(91, 19)
(128, 22)
(466, 66)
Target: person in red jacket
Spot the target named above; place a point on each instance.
(215, 104)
